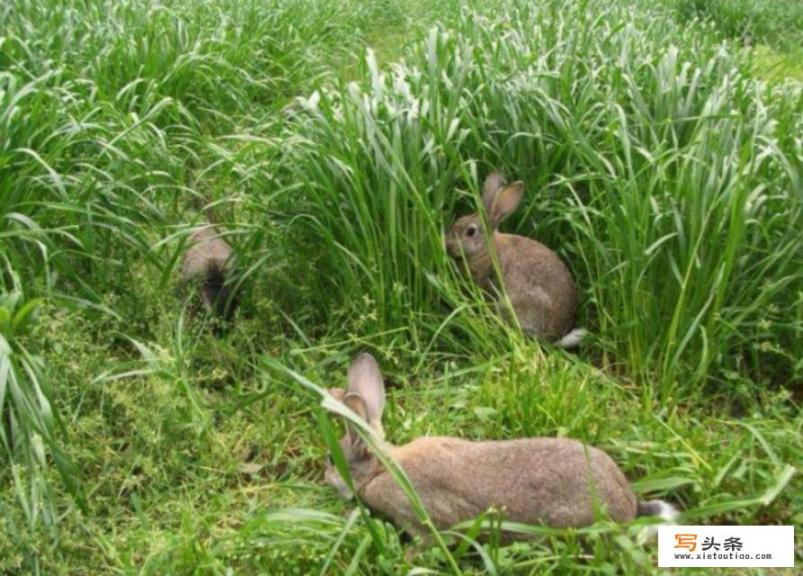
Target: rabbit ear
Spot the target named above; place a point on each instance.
(506, 202)
(356, 404)
(365, 380)
(493, 183)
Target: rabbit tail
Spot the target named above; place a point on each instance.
(573, 338)
(217, 294)
(659, 508)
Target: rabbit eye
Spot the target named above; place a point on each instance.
(471, 231)
(330, 460)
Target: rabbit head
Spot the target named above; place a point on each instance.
(365, 396)
(467, 235)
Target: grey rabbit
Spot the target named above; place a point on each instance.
(548, 481)
(208, 263)
(539, 285)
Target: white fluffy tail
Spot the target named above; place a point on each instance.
(663, 510)
(573, 338)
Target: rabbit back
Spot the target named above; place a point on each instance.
(539, 285)
(208, 253)
(549, 481)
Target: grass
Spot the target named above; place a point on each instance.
(775, 22)
(589, 169)
(778, 66)
(771, 29)
(663, 171)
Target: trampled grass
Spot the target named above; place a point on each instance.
(135, 440)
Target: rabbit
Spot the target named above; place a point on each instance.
(549, 481)
(539, 285)
(208, 262)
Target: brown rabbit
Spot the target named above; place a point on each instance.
(550, 481)
(540, 287)
(208, 262)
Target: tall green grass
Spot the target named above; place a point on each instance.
(667, 178)
(30, 432)
(109, 111)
